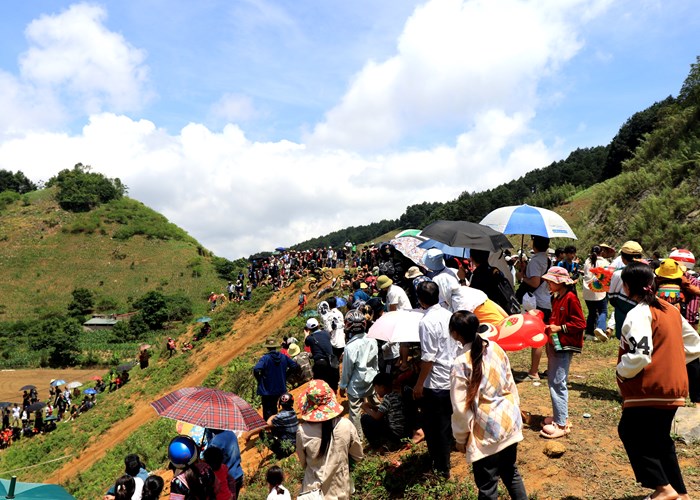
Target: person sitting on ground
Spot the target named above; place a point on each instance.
(275, 478)
(387, 421)
(214, 457)
(125, 488)
(203, 332)
(152, 488)
(281, 429)
(134, 468)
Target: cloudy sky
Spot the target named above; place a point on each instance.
(259, 123)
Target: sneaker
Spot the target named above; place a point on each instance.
(600, 335)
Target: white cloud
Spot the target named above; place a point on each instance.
(234, 108)
(74, 65)
(454, 60)
(238, 196)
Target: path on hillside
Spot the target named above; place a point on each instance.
(249, 330)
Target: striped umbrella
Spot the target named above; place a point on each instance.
(210, 408)
(524, 219)
(683, 256)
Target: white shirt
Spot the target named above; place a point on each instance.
(337, 335)
(588, 278)
(437, 346)
(396, 295)
(276, 496)
(538, 267)
(448, 286)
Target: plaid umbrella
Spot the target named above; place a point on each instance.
(210, 408)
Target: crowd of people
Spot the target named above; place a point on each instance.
(454, 388)
(447, 387)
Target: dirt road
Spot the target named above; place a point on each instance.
(12, 380)
(249, 330)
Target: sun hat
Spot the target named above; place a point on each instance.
(557, 274)
(363, 286)
(293, 350)
(311, 323)
(606, 246)
(317, 402)
(631, 248)
(669, 269)
(434, 259)
(271, 344)
(413, 272)
(384, 281)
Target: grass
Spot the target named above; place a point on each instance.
(46, 255)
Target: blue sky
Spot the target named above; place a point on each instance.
(298, 118)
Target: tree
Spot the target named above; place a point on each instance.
(80, 190)
(179, 307)
(690, 91)
(17, 182)
(154, 309)
(83, 303)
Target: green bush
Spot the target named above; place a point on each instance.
(80, 190)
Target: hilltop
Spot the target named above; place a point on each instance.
(46, 252)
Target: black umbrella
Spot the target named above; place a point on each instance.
(27, 388)
(125, 367)
(51, 418)
(459, 233)
(36, 406)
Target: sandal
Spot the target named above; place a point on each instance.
(550, 421)
(553, 431)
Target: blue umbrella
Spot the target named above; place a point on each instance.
(58, 382)
(203, 319)
(524, 219)
(280, 249)
(90, 391)
(340, 302)
(446, 249)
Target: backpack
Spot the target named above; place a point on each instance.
(387, 268)
(304, 373)
(506, 295)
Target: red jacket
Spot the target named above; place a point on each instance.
(567, 313)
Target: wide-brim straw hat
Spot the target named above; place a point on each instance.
(413, 272)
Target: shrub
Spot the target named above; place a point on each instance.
(80, 190)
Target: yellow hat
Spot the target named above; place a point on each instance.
(669, 269)
(631, 248)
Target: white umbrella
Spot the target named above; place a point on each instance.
(397, 326)
(73, 385)
(524, 219)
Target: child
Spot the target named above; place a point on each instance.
(566, 327)
(275, 478)
(486, 420)
(386, 420)
(214, 457)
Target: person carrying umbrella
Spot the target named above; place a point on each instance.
(532, 281)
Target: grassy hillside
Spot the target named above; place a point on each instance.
(118, 251)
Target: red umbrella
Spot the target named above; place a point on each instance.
(211, 408)
(95, 377)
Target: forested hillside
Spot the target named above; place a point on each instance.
(669, 123)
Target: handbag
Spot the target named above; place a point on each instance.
(317, 493)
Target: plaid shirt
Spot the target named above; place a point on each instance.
(285, 425)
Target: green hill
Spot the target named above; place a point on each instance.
(119, 251)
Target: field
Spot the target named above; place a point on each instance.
(12, 380)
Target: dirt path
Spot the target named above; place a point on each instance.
(249, 329)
